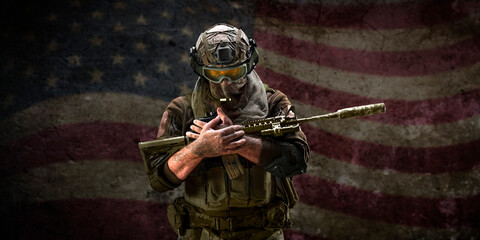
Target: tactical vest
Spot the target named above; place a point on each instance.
(208, 186)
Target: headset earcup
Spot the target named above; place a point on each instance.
(253, 60)
(194, 61)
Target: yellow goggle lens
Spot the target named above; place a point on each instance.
(216, 75)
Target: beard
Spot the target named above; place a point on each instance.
(227, 89)
(232, 90)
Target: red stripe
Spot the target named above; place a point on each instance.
(407, 14)
(447, 159)
(431, 111)
(89, 219)
(440, 213)
(98, 219)
(399, 63)
(290, 234)
(119, 141)
(96, 140)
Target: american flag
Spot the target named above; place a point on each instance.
(84, 81)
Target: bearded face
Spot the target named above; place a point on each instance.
(227, 88)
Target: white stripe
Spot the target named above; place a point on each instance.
(372, 86)
(333, 225)
(446, 134)
(83, 179)
(342, 2)
(114, 107)
(148, 111)
(410, 39)
(445, 185)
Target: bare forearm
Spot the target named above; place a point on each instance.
(183, 162)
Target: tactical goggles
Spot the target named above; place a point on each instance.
(233, 74)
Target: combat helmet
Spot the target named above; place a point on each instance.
(223, 52)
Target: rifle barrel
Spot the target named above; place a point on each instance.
(358, 111)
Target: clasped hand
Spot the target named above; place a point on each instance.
(213, 139)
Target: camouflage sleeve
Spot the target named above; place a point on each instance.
(175, 120)
(294, 150)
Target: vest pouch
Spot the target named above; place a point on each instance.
(177, 215)
(277, 216)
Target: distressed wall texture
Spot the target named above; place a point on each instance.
(84, 81)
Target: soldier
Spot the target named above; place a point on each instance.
(254, 205)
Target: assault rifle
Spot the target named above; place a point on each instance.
(157, 151)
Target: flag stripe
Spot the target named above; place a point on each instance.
(441, 213)
(444, 185)
(59, 111)
(290, 234)
(91, 178)
(117, 179)
(43, 147)
(53, 112)
(370, 39)
(336, 225)
(55, 144)
(417, 136)
(395, 88)
(369, 16)
(90, 219)
(106, 179)
(76, 142)
(448, 159)
(432, 111)
(411, 63)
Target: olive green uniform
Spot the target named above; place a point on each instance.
(254, 205)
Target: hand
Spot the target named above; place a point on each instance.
(197, 128)
(212, 140)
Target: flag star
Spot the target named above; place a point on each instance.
(30, 37)
(118, 59)
(163, 67)
(166, 15)
(97, 15)
(234, 22)
(187, 32)
(184, 89)
(212, 8)
(52, 47)
(52, 81)
(96, 76)
(189, 10)
(184, 58)
(74, 60)
(119, 5)
(96, 41)
(118, 27)
(141, 20)
(164, 37)
(140, 80)
(8, 101)
(75, 27)
(140, 46)
(236, 5)
(29, 72)
(75, 3)
(52, 17)
(9, 65)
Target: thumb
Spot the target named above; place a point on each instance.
(225, 119)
